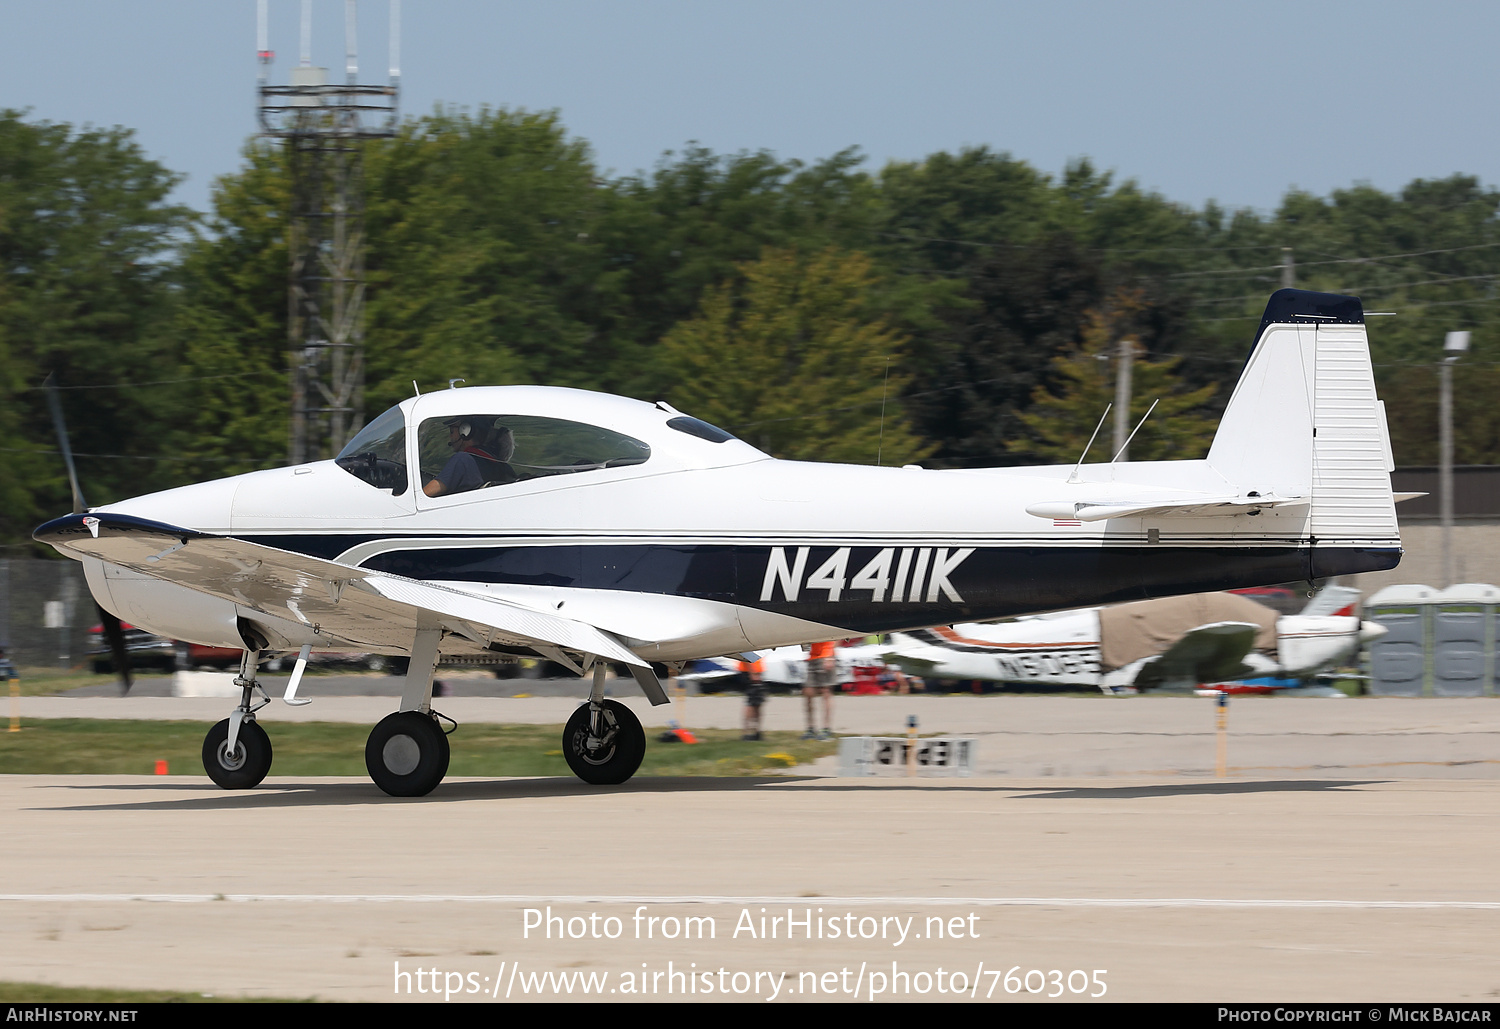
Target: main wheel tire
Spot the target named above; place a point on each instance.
(407, 754)
(247, 766)
(615, 756)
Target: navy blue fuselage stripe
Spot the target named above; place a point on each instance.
(992, 582)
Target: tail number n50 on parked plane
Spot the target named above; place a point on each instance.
(896, 574)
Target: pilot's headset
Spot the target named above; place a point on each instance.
(465, 426)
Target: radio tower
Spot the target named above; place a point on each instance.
(324, 126)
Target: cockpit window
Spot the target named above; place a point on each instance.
(377, 454)
(468, 452)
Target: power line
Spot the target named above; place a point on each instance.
(157, 382)
(1340, 260)
(168, 459)
(1096, 250)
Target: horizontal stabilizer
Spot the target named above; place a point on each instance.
(1159, 504)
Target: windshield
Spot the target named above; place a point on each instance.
(475, 451)
(378, 453)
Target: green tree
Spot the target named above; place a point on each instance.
(990, 350)
(791, 356)
(683, 229)
(231, 413)
(1015, 259)
(86, 235)
(481, 264)
(1064, 416)
(484, 261)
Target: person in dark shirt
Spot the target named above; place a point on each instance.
(479, 455)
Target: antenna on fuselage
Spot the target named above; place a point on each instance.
(1126, 445)
(416, 387)
(1074, 476)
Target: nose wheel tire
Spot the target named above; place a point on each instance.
(243, 768)
(407, 754)
(611, 755)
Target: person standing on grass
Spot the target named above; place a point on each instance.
(755, 698)
(822, 670)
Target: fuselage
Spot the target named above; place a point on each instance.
(691, 544)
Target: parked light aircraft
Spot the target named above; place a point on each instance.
(596, 531)
(784, 666)
(1171, 643)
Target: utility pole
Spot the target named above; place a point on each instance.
(1454, 347)
(1123, 361)
(324, 127)
(1288, 269)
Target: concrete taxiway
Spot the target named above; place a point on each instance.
(1279, 889)
(1349, 856)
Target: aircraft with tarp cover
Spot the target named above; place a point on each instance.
(1176, 643)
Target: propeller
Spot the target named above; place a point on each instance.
(113, 630)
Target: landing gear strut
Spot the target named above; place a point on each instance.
(407, 753)
(237, 751)
(604, 743)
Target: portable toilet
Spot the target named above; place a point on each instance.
(1462, 637)
(1398, 660)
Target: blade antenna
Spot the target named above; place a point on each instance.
(1135, 430)
(50, 385)
(1074, 477)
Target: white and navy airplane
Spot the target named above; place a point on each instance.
(587, 528)
(1169, 643)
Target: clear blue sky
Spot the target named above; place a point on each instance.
(1197, 100)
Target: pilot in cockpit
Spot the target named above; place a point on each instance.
(481, 449)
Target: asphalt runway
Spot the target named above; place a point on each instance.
(1364, 876)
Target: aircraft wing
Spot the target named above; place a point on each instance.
(911, 663)
(1209, 653)
(343, 604)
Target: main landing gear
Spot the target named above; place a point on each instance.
(603, 741)
(407, 754)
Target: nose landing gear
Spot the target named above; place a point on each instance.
(244, 766)
(237, 751)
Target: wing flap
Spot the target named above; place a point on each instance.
(514, 621)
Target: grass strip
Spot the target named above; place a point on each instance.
(99, 746)
(46, 993)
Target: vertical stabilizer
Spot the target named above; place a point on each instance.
(1304, 421)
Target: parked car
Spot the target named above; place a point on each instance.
(148, 650)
